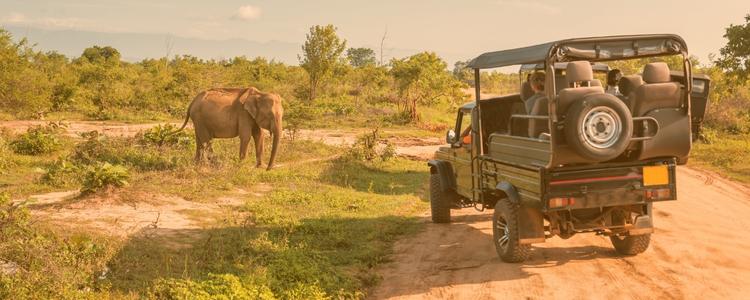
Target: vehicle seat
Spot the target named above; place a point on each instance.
(577, 71)
(658, 91)
(660, 98)
(627, 86)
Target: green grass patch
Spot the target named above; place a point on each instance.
(724, 153)
(318, 228)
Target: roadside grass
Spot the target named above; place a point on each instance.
(317, 229)
(727, 154)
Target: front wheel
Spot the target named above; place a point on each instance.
(505, 233)
(440, 201)
(630, 244)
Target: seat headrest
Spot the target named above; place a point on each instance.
(656, 72)
(629, 83)
(578, 71)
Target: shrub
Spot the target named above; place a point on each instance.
(104, 175)
(91, 150)
(38, 140)
(370, 146)
(165, 135)
(61, 173)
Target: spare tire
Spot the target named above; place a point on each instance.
(598, 127)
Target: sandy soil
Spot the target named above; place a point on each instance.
(699, 249)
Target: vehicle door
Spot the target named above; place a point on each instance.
(463, 154)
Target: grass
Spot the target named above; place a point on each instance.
(319, 231)
(724, 153)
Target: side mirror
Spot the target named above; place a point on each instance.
(450, 137)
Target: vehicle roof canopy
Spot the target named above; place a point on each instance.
(591, 49)
(597, 67)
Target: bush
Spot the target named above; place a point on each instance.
(38, 140)
(104, 175)
(61, 173)
(165, 135)
(370, 146)
(42, 264)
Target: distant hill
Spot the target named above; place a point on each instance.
(137, 46)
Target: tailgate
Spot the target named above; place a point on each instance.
(610, 185)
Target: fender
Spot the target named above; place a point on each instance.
(444, 169)
(530, 219)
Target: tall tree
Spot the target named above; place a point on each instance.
(423, 79)
(360, 57)
(735, 55)
(321, 53)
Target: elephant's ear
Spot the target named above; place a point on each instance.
(250, 100)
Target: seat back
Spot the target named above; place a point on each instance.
(627, 86)
(658, 91)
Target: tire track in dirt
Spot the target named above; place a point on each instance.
(699, 250)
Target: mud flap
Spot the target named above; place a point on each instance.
(444, 169)
(530, 219)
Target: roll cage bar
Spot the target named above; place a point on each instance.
(592, 49)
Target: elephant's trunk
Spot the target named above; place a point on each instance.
(275, 146)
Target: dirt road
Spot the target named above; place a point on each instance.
(699, 249)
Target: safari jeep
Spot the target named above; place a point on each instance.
(581, 159)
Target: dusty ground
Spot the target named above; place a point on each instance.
(699, 249)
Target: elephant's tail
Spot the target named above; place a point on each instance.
(187, 118)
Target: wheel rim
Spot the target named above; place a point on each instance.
(601, 127)
(503, 233)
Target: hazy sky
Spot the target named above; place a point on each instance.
(459, 28)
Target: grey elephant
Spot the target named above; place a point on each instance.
(232, 112)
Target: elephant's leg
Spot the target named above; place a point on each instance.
(244, 141)
(202, 142)
(258, 138)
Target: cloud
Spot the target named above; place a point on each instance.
(531, 5)
(16, 18)
(247, 13)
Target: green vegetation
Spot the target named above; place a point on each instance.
(37, 140)
(724, 153)
(327, 221)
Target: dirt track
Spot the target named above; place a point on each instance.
(699, 249)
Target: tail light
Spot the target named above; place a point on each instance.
(658, 194)
(561, 202)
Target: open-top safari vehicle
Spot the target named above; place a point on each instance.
(580, 160)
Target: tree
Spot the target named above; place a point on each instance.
(360, 57)
(735, 55)
(462, 73)
(321, 53)
(423, 79)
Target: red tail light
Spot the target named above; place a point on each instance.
(561, 202)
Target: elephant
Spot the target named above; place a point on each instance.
(232, 112)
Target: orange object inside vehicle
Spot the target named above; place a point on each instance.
(467, 139)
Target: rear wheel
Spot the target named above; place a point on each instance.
(505, 233)
(630, 244)
(440, 201)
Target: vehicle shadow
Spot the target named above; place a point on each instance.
(463, 253)
(364, 178)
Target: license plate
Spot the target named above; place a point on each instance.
(655, 175)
